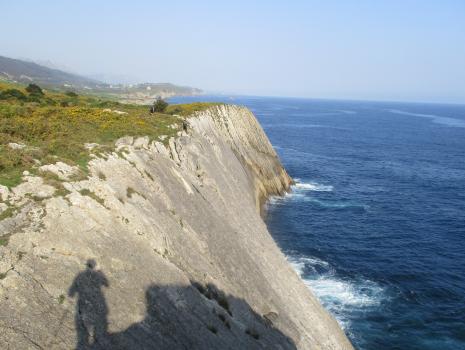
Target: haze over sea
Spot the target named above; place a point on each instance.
(375, 224)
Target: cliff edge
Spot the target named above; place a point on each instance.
(161, 247)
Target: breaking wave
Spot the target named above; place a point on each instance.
(342, 298)
(311, 186)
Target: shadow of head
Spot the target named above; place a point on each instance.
(91, 263)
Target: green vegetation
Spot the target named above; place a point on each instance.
(88, 193)
(54, 126)
(130, 191)
(4, 241)
(53, 180)
(7, 213)
(159, 106)
(188, 109)
(12, 94)
(61, 299)
(71, 94)
(34, 89)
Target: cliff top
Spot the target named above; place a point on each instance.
(44, 127)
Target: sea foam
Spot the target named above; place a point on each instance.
(311, 186)
(339, 296)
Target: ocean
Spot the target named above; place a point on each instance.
(375, 224)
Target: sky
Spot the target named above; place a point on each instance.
(368, 50)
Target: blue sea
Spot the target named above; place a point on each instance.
(375, 224)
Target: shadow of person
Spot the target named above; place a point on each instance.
(91, 307)
(196, 318)
(193, 316)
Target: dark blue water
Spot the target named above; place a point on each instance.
(376, 222)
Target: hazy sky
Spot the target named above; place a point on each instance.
(382, 50)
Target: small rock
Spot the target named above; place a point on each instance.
(13, 145)
(124, 141)
(3, 207)
(160, 148)
(4, 193)
(62, 170)
(91, 146)
(32, 186)
(26, 173)
(142, 142)
(119, 112)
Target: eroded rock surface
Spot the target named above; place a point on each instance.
(161, 247)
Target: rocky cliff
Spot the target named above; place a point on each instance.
(160, 247)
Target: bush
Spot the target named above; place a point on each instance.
(12, 93)
(71, 94)
(34, 89)
(159, 106)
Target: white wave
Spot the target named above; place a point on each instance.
(345, 293)
(302, 263)
(340, 297)
(298, 192)
(273, 200)
(312, 186)
(434, 118)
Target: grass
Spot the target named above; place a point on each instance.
(55, 126)
(7, 213)
(130, 191)
(53, 180)
(88, 193)
(4, 241)
(188, 109)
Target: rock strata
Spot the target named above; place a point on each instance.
(162, 246)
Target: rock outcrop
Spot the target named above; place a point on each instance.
(160, 247)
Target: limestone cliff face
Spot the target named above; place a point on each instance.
(183, 258)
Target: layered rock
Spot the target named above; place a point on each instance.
(161, 247)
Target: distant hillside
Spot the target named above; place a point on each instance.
(25, 72)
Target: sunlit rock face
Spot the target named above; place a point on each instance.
(161, 247)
